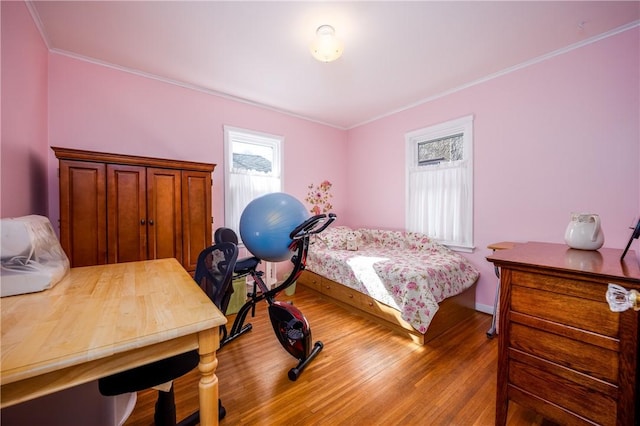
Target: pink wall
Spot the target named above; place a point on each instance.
(104, 109)
(24, 145)
(559, 136)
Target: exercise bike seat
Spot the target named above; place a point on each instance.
(243, 266)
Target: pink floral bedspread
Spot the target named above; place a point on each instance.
(405, 270)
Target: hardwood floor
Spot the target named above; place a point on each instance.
(365, 375)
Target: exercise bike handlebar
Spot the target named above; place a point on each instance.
(300, 236)
(314, 225)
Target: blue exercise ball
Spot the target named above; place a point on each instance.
(267, 221)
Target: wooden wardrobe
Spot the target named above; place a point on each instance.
(120, 208)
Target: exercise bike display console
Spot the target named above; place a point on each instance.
(289, 324)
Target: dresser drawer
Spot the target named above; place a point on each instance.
(574, 396)
(583, 357)
(574, 303)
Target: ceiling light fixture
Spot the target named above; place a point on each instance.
(326, 47)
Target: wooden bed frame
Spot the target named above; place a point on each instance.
(451, 311)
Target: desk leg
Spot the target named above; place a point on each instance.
(208, 342)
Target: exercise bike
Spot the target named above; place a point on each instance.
(289, 324)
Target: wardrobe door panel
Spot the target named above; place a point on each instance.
(127, 213)
(196, 213)
(83, 212)
(164, 224)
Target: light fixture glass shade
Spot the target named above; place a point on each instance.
(326, 47)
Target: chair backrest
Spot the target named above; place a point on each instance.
(214, 272)
(225, 235)
(245, 265)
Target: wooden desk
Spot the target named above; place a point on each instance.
(100, 320)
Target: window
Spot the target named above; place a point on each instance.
(253, 167)
(439, 184)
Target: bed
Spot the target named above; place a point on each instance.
(403, 280)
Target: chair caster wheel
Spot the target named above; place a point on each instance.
(222, 412)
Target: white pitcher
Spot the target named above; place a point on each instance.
(584, 232)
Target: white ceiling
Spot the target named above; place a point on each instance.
(396, 54)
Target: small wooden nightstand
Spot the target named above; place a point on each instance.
(504, 245)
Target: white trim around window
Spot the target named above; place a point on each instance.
(439, 194)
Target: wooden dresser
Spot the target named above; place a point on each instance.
(562, 351)
(118, 208)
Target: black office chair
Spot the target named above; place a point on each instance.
(244, 265)
(214, 273)
(243, 268)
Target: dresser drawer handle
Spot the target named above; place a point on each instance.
(620, 299)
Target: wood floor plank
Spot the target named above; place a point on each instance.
(365, 375)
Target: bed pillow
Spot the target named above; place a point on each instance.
(417, 241)
(335, 238)
(380, 238)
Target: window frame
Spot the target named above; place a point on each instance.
(446, 129)
(237, 134)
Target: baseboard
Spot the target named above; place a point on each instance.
(487, 309)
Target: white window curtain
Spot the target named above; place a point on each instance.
(438, 202)
(244, 187)
(253, 167)
(256, 172)
(439, 193)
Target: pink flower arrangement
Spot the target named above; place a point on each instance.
(319, 196)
